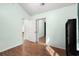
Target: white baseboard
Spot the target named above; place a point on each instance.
(55, 46)
(10, 47)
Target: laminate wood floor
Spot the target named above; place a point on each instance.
(30, 48)
(16, 51)
(34, 49)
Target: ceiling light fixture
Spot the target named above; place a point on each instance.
(42, 4)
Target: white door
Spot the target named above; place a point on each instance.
(30, 30)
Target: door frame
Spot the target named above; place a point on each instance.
(37, 22)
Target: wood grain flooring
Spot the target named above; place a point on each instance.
(34, 49)
(27, 49)
(42, 40)
(53, 51)
(16, 51)
(30, 48)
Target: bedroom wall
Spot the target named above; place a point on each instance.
(55, 24)
(11, 16)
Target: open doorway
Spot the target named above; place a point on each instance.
(34, 37)
(41, 30)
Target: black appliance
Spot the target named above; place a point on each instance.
(71, 37)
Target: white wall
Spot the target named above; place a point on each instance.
(11, 25)
(55, 24)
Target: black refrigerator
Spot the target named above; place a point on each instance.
(71, 37)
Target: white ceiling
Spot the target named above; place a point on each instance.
(36, 8)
